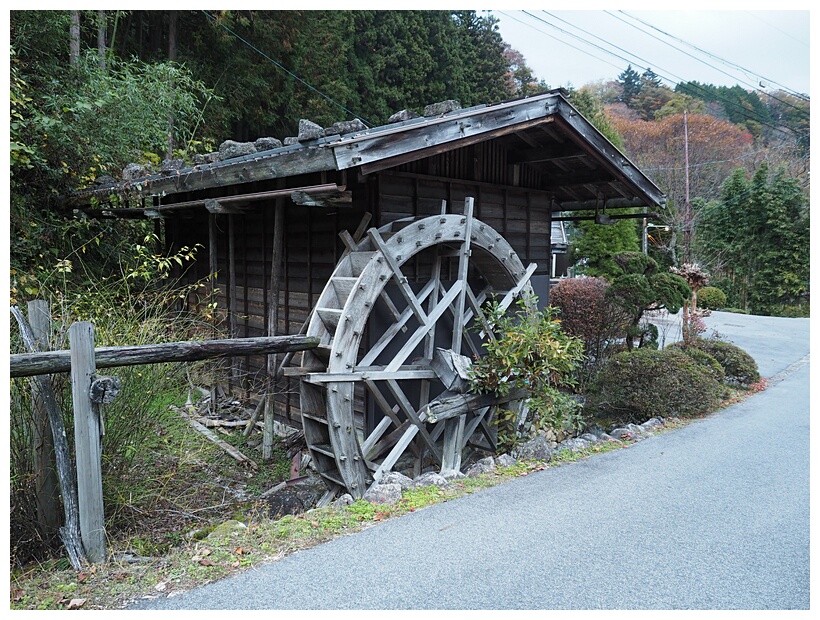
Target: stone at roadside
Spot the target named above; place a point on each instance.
(505, 460)
(535, 449)
(653, 423)
(591, 438)
(484, 466)
(394, 477)
(575, 444)
(383, 494)
(430, 478)
(622, 434)
(342, 501)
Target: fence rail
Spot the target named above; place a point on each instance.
(50, 362)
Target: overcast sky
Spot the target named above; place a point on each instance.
(721, 47)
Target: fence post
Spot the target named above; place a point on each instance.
(45, 469)
(87, 441)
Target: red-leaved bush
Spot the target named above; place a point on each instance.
(586, 313)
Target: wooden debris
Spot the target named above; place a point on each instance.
(208, 433)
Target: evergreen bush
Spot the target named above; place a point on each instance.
(711, 298)
(636, 385)
(739, 367)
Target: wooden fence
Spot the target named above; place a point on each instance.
(84, 533)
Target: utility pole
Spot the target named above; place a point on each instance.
(687, 209)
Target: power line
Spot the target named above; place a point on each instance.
(278, 65)
(718, 58)
(754, 87)
(677, 79)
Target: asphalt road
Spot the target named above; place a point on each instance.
(714, 515)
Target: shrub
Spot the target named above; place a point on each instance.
(739, 367)
(586, 312)
(636, 385)
(711, 298)
(530, 352)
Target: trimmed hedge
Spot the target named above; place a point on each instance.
(637, 385)
(711, 298)
(739, 367)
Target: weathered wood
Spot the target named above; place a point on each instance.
(463, 269)
(273, 322)
(48, 362)
(452, 369)
(46, 486)
(450, 405)
(70, 532)
(87, 442)
(208, 433)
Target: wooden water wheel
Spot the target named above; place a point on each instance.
(398, 311)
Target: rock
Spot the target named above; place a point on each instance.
(383, 494)
(228, 529)
(394, 477)
(284, 502)
(536, 449)
(505, 460)
(430, 479)
(638, 431)
(345, 127)
(267, 144)
(591, 438)
(622, 434)
(171, 165)
(104, 180)
(291, 140)
(574, 444)
(308, 130)
(442, 107)
(134, 171)
(230, 149)
(653, 423)
(344, 500)
(484, 466)
(208, 158)
(402, 115)
(607, 437)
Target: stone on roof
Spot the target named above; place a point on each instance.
(442, 107)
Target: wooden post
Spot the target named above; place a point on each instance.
(45, 482)
(454, 427)
(87, 442)
(214, 267)
(273, 326)
(70, 532)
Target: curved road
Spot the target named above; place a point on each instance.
(714, 515)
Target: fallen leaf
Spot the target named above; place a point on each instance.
(235, 564)
(206, 562)
(76, 603)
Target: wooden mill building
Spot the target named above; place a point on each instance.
(275, 223)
